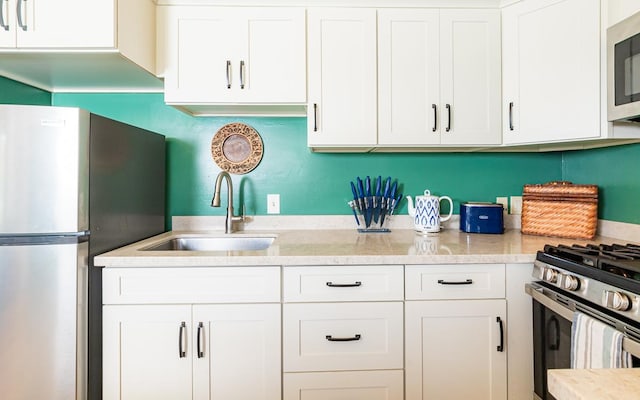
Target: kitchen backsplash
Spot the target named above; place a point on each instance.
(318, 184)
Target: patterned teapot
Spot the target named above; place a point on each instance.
(426, 213)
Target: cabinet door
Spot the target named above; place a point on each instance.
(237, 352)
(64, 23)
(451, 350)
(205, 47)
(352, 385)
(141, 352)
(8, 22)
(275, 56)
(408, 77)
(342, 104)
(219, 55)
(551, 71)
(471, 77)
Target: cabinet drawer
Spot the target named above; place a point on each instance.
(425, 282)
(342, 336)
(191, 285)
(354, 283)
(353, 385)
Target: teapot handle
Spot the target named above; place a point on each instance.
(442, 219)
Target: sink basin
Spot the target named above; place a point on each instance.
(213, 243)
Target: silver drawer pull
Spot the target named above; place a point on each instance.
(355, 284)
(342, 339)
(465, 282)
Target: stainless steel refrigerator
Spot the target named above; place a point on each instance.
(72, 185)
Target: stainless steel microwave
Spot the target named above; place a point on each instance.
(623, 66)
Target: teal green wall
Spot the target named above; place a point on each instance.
(616, 171)
(12, 92)
(318, 183)
(308, 183)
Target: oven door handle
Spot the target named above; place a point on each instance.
(556, 324)
(628, 344)
(537, 295)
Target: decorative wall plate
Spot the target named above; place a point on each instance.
(237, 148)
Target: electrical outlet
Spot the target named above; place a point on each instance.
(273, 204)
(505, 203)
(516, 205)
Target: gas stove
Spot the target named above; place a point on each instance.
(606, 275)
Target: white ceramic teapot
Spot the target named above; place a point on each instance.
(426, 213)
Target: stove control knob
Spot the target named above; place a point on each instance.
(550, 275)
(617, 301)
(570, 282)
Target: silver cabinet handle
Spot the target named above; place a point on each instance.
(448, 128)
(181, 340)
(435, 117)
(242, 67)
(228, 74)
(511, 116)
(3, 24)
(19, 10)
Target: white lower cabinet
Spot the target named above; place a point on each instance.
(346, 349)
(455, 332)
(453, 350)
(365, 332)
(141, 357)
(190, 351)
(352, 385)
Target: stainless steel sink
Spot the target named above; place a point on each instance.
(213, 243)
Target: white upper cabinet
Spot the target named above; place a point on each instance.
(69, 45)
(57, 24)
(234, 55)
(409, 76)
(439, 77)
(342, 103)
(551, 71)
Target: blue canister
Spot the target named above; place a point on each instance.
(479, 217)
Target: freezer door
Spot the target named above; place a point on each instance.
(44, 169)
(43, 320)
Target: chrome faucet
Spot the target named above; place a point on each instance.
(215, 202)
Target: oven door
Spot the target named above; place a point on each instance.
(551, 346)
(623, 47)
(552, 319)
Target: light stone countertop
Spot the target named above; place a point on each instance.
(346, 246)
(595, 384)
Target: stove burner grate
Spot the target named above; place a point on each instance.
(618, 259)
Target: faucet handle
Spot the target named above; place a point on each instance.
(242, 214)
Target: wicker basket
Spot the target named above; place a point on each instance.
(560, 209)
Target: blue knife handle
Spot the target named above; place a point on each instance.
(395, 203)
(387, 185)
(353, 190)
(361, 199)
(378, 185)
(392, 195)
(360, 188)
